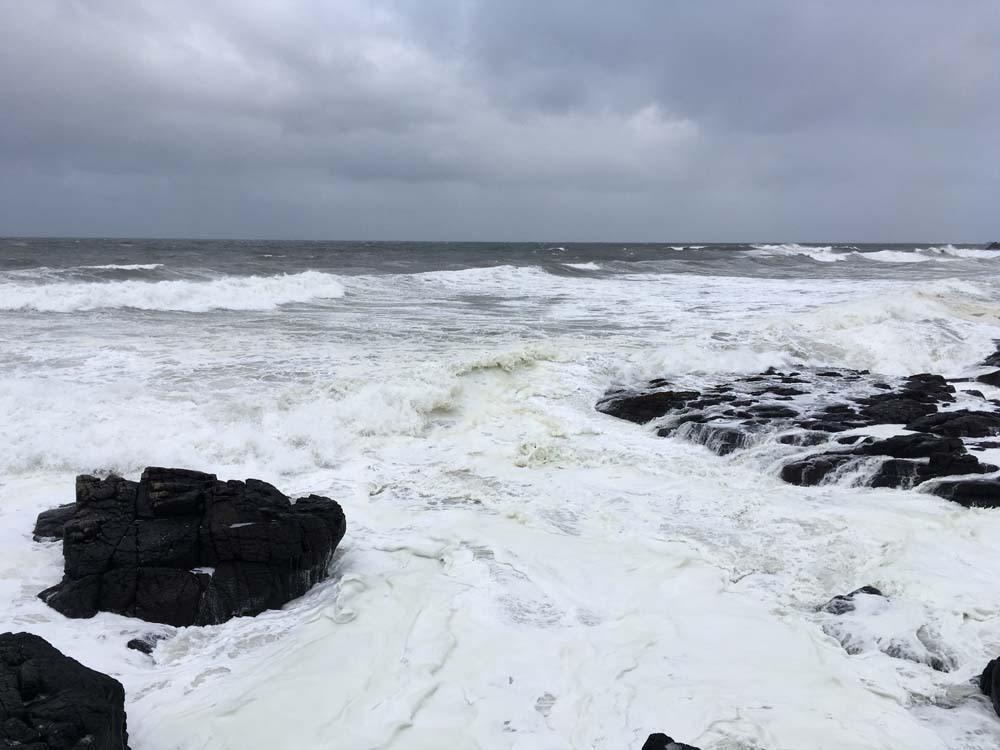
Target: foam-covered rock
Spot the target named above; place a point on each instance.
(49, 701)
(183, 548)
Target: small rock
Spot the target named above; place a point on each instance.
(660, 741)
(843, 603)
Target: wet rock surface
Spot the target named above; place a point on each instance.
(49, 701)
(181, 547)
(804, 408)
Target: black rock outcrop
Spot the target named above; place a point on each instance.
(183, 548)
(661, 741)
(989, 683)
(49, 701)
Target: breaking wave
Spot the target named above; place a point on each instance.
(230, 293)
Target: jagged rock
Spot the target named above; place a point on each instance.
(814, 469)
(910, 446)
(894, 409)
(49, 524)
(843, 603)
(972, 493)
(989, 683)
(993, 360)
(182, 548)
(660, 741)
(990, 378)
(959, 423)
(646, 407)
(49, 701)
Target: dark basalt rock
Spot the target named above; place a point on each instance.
(49, 701)
(972, 493)
(893, 409)
(989, 683)
(49, 524)
(182, 548)
(146, 644)
(660, 741)
(813, 470)
(990, 378)
(646, 407)
(959, 423)
(843, 603)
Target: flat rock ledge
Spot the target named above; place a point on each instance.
(182, 548)
(829, 411)
(49, 701)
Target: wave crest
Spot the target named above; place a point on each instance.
(230, 293)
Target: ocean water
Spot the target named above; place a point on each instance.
(520, 571)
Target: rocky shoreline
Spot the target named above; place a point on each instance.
(824, 420)
(830, 426)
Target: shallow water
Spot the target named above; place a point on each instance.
(520, 571)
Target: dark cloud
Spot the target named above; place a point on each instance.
(680, 120)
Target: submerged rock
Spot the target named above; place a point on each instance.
(661, 741)
(843, 603)
(183, 548)
(49, 701)
(989, 683)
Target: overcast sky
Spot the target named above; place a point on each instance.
(649, 120)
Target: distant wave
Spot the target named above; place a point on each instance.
(822, 254)
(230, 293)
(971, 253)
(830, 254)
(893, 256)
(126, 267)
(584, 266)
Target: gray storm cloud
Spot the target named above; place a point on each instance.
(427, 119)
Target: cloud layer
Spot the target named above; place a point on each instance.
(469, 119)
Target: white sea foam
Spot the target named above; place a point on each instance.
(584, 266)
(229, 293)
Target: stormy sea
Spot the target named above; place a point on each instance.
(581, 485)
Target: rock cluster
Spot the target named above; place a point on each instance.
(49, 701)
(811, 408)
(183, 548)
